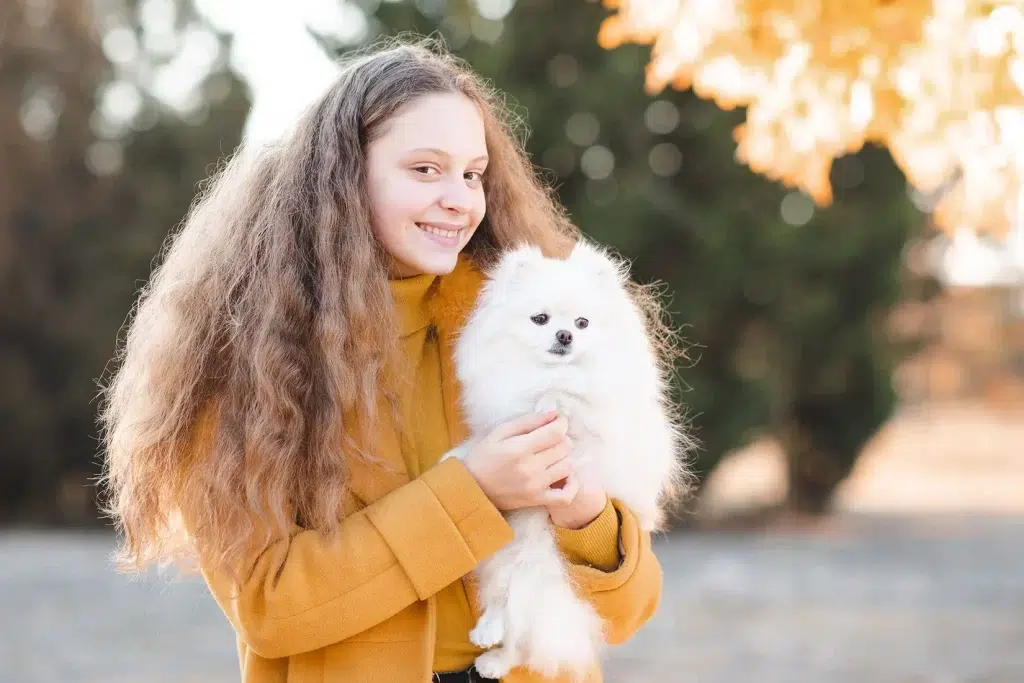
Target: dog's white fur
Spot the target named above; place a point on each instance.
(611, 390)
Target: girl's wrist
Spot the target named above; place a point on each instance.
(580, 513)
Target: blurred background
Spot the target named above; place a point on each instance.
(829, 191)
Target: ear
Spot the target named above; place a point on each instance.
(510, 268)
(598, 262)
(516, 261)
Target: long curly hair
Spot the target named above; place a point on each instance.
(270, 307)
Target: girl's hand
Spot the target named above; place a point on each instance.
(582, 509)
(517, 463)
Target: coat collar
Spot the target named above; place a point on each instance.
(411, 296)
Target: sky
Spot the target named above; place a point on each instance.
(283, 65)
(273, 51)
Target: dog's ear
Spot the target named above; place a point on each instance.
(598, 262)
(515, 262)
(510, 269)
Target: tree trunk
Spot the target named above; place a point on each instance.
(812, 474)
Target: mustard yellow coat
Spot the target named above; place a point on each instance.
(362, 605)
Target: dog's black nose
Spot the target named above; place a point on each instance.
(564, 337)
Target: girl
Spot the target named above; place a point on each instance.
(285, 390)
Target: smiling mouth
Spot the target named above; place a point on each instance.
(559, 350)
(442, 232)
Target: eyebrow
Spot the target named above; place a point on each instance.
(441, 152)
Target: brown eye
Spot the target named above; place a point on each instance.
(540, 318)
(582, 323)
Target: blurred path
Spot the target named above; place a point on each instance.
(854, 600)
(932, 458)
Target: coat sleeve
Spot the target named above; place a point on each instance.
(625, 592)
(309, 591)
(596, 544)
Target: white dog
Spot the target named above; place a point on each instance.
(564, 334)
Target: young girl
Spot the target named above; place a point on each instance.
(285, 391)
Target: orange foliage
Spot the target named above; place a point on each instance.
(938, 82)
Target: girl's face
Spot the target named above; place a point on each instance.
(424, 176)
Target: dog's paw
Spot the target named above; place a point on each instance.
(460, 452)
(489, 630)
(494, 663)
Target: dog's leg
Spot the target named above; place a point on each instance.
(496, 663)
(490, 629)
(495, 574)
(492, 584)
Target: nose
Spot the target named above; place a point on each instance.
(457, 197)
(564, 337)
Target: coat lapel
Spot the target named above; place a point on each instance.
(449, 309)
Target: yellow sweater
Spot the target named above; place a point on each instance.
(388, 598)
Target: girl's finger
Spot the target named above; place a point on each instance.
(564, 495)
(525, 424)
(560, 470)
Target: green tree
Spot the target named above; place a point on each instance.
(97, 169)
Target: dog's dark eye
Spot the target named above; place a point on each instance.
(582, 323)
(540, 318)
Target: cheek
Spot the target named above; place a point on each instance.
(475, 210)
(526, 336)
(479, 208)
(542, 335)
(397, 203)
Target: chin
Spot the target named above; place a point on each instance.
(430, 264)
(440, 266)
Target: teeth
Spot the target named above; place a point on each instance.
(438, 231)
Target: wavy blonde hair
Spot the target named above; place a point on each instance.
(271, 308)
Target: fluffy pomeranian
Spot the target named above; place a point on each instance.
(564, 334)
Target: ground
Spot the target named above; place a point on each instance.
(852, 600)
